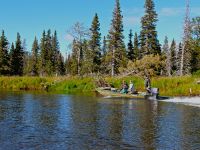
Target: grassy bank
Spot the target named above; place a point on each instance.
(175, 86)
(64, 84)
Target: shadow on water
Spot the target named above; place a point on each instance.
(67, 121)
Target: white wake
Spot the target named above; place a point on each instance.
(192, 101)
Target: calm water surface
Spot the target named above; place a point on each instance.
(50, 121)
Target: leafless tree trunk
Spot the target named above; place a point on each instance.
(79, 33)
(185, 56)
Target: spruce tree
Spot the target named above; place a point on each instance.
(196, 44)
(12, 59)
(130, 54)
(173, 57)
(60, 64)
(50, 69)
(166, 56)
(103, 58)
(104, 47)
(17, 57)
(56, 58)
(68, 64)
(88, 59)
(95, 44)
(34, 58)
(165, 48)
(136, 46)
(75, 58)
(116, 55)
(43, 55)
(4, 56)
(148, 36)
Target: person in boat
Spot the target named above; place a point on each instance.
(147, 84)
(132, 88)
(124, 88)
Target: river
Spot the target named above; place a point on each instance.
(59, 121)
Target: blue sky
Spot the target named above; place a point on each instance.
(31, 17)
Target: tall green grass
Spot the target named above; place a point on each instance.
(169, 86)
(47, 83)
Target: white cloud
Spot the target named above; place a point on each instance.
(69, 38)
(131, 20)
(178, 11)
(171, 11)
(195, 11)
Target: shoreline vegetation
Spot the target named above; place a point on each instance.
(169, 86)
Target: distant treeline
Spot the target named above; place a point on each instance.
(89, 56)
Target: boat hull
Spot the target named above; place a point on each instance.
(140, 95)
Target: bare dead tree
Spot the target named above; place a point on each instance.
(79, 33)
(186, 52)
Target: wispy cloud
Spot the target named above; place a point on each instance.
(131, 20)
(69, 38)
(132, 16)
(172, 12)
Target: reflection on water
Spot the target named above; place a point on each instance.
(48, 121)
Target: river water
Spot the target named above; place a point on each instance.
(59, 121)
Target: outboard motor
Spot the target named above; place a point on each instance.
(155, 92)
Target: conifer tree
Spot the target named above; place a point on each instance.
(43, 55)
(35, 58)
(75, 58)
(50, 69)
(4, 56)
(166, 57)
(104, 47)
(95, 44)
(56, 58)
(88, 59)
(136, 46)
(12, 59)
(173, 57)
(165, 48)
(103, 58)
(17, 56)
(68, 64)
(60, 64)
(116, 55)
(148, 36)
(130, 55)
(196, 44)
(79, 33)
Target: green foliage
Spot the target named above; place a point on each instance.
(4, 57)
(35, 58)
(149, 64)
(136, 47)
(94, 45)
(116, 56)
(195, 44)
(148, 35)
(169, 86)
(130, 55)
(173, 61)
(17, 57)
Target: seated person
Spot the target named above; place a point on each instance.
(124, 89)
(148, 84)
(132, 88)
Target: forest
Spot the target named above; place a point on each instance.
(94, 55)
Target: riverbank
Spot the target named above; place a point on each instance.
(169, 86)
